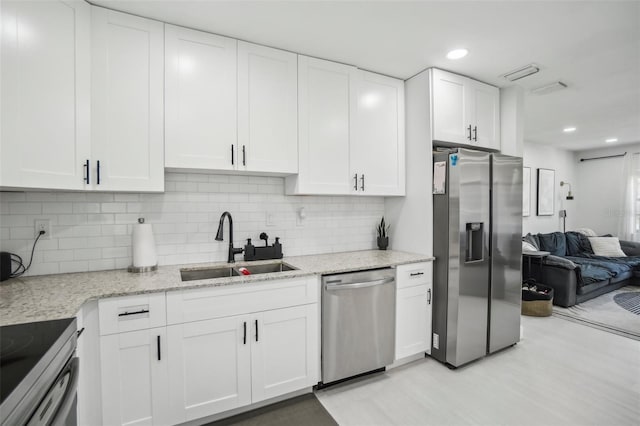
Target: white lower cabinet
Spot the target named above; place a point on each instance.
(284, 351)
(209, 370)
(205, 351)
(413, 309)
(135, 380)
(224, 363)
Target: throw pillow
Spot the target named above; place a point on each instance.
(526, 246)
(606, 246)
(588, 232)
(555, 243)
(577, 244)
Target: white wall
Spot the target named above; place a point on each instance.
(92, 231)
(564, 163)
(601, 185)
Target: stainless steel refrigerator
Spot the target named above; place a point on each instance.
(477, 229)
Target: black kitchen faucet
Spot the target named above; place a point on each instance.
(232, 251)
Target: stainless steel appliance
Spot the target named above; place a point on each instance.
(38, 373)
(358, 323)
(477, 229)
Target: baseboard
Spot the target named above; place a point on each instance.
(407, 360)
(246, 408)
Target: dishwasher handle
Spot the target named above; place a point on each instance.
(330, 287)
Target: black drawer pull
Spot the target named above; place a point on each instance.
(244, 338)
(415, 274)
(159, 357)
(256, 330)
(141, 311)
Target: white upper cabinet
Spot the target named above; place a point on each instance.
(200, 103)
(267, 109)
(377, 151)
(325, 94)
(127, 102)
(464, 111)
(230, 105)
(351, 131)
(45, 94)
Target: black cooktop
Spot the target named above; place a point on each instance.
(22, 346)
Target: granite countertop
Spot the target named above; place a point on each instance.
(57, 296)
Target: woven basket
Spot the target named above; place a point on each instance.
(537, 308)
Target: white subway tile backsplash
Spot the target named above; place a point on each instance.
(92, 231)
(25, 208)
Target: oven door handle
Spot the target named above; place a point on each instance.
(60, 413)
(330, 287)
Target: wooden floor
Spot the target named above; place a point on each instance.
(561, 373)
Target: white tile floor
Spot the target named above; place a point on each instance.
(561, 373)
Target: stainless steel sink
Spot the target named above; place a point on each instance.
(208, 273)
(268, 267)
(233, 271)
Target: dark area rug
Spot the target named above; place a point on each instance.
(302, 410)
(614, 312)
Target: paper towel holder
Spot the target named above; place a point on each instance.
(141, 269)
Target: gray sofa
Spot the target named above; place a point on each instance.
(575, 273)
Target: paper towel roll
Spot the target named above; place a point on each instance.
(144, 246)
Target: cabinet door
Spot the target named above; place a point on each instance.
(210, 367)
(134, 378)
(200, 104)
(45, 72)
(127, 101)
(284, 351)
(267, 109)
(486, 109)
(325, 98)
(413, 320)
(450, 108)
(377, 150)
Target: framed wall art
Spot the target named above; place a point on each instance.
(546, 185)
(526, 191)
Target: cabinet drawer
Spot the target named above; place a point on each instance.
(200, 304)
(414, 274)
(129, 313)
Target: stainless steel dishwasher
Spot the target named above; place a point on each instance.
(358, 323)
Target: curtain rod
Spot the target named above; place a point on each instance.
(607, 156)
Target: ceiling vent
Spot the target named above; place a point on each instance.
(522, 72)
(548, 88)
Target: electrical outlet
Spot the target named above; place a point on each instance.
(43, 225)
(269, 219)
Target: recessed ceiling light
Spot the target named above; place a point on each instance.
(611, 140)
(569, 129)
(457, 54)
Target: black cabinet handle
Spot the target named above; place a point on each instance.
(141, 311)
(86, 172)
(232, 162)
(362, 185)
(475, 133)
(415, 274)
(244, 338)
(429, 296)
(469, 129)
(355, 181)
(244, 156)
(159, 355)
(98, 173)
(256, 330)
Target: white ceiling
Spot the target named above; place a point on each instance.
(593, 47)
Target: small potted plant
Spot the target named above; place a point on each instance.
(383, 234)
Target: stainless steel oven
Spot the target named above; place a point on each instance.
(38, 373)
